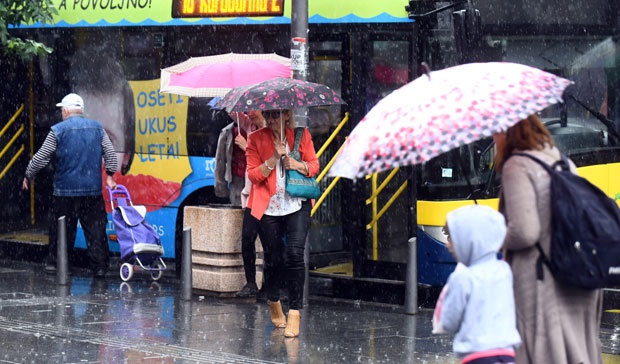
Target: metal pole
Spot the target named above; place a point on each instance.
(62, 264)
(184, 320)
(299, 50)
(299, 66)
(299, 39)
(186, 265)
(62, 292)
(411, 288)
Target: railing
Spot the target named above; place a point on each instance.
(11, 142)
(321, 175)
(373, 200)
(376, 190)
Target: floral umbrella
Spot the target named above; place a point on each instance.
(215, 75)
(443, 110)
(279, 93)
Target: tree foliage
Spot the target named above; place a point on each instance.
(14, 13)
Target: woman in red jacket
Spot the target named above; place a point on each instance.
(280, 214)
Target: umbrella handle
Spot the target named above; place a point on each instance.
(426, 69)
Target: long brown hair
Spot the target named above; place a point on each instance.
(528, 134)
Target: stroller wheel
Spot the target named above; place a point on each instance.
(156, 274)
(126, 271)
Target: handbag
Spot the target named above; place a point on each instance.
(298, 185)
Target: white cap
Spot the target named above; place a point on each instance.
(71, 101)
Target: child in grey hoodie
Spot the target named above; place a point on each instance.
(478, 306)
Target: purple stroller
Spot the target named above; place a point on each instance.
(139, 242)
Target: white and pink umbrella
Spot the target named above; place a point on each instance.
(443, 110)
(212, 76)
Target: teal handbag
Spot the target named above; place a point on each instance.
(298, 185)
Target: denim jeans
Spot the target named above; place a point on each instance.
(284, 245)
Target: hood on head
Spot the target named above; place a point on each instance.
(476, 232)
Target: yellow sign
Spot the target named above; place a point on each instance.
(226, 8)
(161, 120)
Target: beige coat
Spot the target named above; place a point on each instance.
(558, 324)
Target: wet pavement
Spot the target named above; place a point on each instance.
(141, 321)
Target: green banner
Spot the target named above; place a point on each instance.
(83, 13)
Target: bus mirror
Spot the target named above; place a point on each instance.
(424, 12)
(467, 32)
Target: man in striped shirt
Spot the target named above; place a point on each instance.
(77, 144)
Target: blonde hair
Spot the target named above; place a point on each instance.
(528, 134)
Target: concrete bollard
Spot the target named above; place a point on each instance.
(217, 259)
(411, 288)
(186, 265)
(62, 260)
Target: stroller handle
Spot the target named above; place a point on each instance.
(120, 195)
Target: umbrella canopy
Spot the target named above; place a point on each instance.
(215, 75)
(279, 93)
(442, 111)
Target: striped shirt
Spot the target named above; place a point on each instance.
(43, 156)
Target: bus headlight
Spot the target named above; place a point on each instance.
(436, 232)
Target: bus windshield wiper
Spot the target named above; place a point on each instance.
(602, 118)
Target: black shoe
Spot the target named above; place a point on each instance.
(249, 290)
(50, 268)
(100, 273)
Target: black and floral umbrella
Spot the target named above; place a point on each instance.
(279, 93)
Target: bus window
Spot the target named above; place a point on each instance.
(389, 69)
(203, 127)
(578, 134)
(445, 176)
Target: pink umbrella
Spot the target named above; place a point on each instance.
(442, 111)
(215, 75)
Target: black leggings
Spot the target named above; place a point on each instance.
(284, 257)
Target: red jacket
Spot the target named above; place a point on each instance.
(261, 147)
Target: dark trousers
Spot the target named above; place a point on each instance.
(496, 359)
(284, 260)
(249, 231)
(90, 211)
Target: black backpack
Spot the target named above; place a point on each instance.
(585, 231)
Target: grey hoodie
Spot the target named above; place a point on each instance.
(479, 303)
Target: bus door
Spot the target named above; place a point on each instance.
(366, 224)
(328, 64)
(388, 198)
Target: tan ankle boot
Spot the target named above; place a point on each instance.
(292, 324)
(277, 316)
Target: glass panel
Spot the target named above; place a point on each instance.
(589, 119)
(578, 126)
(389, 69)
(325, 236)
(387, 239)
(445, 176)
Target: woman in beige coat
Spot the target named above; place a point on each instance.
(558, 323)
